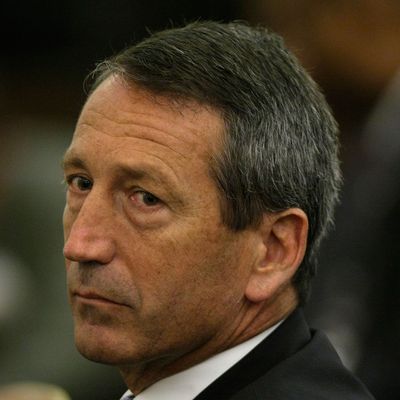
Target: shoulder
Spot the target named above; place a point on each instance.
(315, 372)
(293, 363)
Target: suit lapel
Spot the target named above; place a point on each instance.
(287, 339)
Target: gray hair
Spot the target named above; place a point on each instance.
(280, 145)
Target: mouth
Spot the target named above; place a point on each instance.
(91, 297)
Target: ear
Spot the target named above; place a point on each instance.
(282, 238)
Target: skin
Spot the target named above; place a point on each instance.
(156, 281)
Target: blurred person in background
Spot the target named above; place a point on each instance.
(352, 48)
(201, 177)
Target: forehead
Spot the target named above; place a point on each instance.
(120, 110)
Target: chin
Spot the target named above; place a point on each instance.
(100, 345)
(98, 355)
(112, 345)
(101, 337)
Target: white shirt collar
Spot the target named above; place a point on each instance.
(189, 383)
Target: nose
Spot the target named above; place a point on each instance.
(89, 233)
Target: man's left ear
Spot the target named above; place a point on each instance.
(282, 238)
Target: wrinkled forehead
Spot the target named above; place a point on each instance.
(129, 105)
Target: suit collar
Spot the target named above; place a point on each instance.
(287, 339)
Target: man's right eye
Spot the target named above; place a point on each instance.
(79, 183)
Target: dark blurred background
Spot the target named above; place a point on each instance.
(352, 48)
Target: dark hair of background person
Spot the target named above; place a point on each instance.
(280, 147)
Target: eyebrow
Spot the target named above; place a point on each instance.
(71, 161)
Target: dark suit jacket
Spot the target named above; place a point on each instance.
(293, 363)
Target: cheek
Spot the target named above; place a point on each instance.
(182, 264)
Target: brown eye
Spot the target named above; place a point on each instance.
(145, 199)
(149, 199)
(80, 183)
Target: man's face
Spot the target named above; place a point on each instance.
(152, 271)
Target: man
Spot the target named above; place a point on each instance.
(201, 177)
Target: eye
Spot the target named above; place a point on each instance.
(79, 183)
(147, 199)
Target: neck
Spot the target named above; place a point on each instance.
(253, 319)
